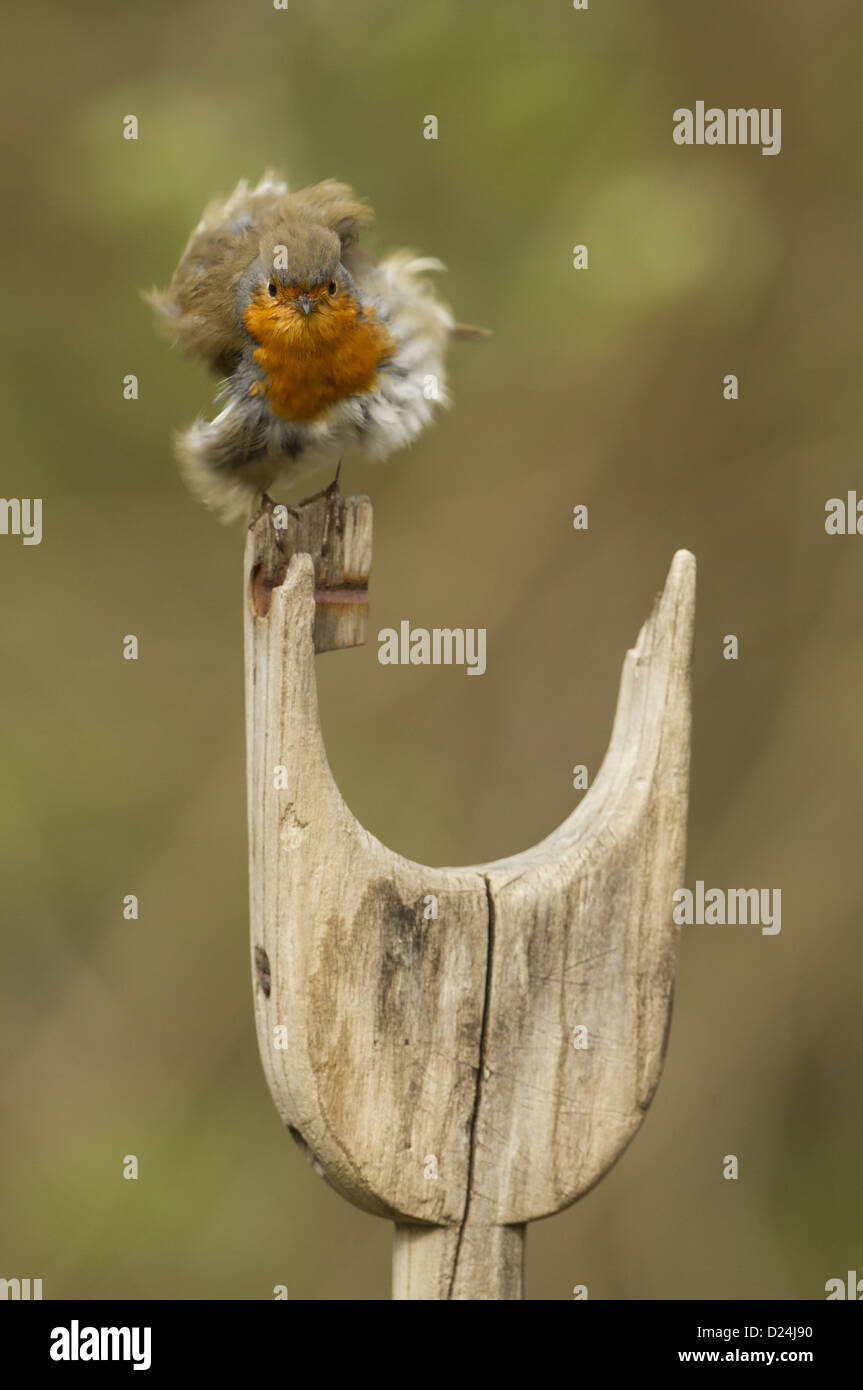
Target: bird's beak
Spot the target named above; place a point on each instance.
(305, 303)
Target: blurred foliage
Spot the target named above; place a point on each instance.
(601, 387)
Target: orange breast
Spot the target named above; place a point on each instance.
(310, 362)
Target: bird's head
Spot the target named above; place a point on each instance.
(297, 293)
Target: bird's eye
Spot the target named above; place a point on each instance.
(332, 287)
(271, 290)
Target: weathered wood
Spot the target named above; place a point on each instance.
(583, 936)
(337, 532)
(373, 1089)
(468, 1261)
(428, 1015)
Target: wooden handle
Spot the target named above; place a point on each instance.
(433, 1263)
(461, 1050)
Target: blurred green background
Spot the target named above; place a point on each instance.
(602, 387)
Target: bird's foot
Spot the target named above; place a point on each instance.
(331, 491)
(333, 488)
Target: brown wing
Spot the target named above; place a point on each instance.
(197, 308)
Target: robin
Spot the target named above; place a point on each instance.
(319, 346)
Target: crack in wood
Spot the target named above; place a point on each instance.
(483, 1031)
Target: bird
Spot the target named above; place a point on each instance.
(318, 347)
